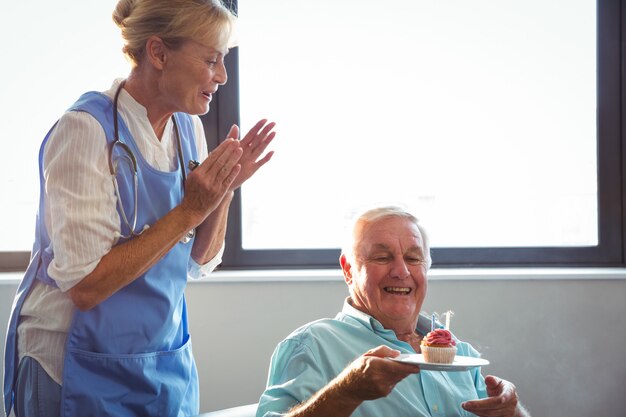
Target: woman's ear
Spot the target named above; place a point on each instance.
(156, 52)
(346, 267)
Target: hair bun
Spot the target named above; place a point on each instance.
(123, 10)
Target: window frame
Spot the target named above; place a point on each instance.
(611, 159)
(610, 250)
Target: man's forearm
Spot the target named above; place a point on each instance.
(329, 401)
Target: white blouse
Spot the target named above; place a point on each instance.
(82, 219)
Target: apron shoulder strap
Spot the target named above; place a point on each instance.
(100, 107)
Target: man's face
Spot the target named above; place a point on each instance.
(387, 278)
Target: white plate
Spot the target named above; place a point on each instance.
(460, 363)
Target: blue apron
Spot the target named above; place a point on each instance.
(131, 354)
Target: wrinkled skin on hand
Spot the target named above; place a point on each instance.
(502, 400)
(227, 167)
(373, 375)
(207, 185)
(253, 144)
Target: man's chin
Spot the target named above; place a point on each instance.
(403, 311)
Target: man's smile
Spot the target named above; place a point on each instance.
(398, 290)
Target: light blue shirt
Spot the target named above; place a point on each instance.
(315, 353)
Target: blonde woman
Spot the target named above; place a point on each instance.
(126, 216)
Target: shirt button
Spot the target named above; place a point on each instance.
(435, 408)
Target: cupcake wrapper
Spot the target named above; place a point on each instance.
(439, 354)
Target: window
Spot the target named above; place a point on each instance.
(55, 52)
(497, 122)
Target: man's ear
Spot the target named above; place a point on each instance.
(156, 52)
(346, 267)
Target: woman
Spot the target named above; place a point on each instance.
(99, 323)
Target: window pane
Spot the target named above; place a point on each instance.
(58, 51)
(481, 116)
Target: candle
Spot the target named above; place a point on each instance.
(432, 322)
(448, 314)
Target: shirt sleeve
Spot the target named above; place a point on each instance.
(465, 349)
(195, 271)
(294, 376)
(81, 216)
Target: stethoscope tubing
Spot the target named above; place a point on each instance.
(129, 153)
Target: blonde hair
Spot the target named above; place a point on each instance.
(372, 215)
(205, 21)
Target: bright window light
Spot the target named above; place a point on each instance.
(55, 52)
(480, 115)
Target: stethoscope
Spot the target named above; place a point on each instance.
(128, 154)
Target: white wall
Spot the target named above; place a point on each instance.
(560, 340)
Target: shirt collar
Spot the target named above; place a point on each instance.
(129, 107)
(424, 324)
(126, 99)
(360, 316)
(422, 327)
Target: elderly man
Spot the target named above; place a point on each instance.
(385, 267)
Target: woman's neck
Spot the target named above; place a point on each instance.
(146, 93)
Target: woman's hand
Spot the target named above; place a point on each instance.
(253, 145)
(207, 185)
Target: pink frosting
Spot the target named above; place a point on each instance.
(439, 337)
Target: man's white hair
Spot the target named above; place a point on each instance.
(371, 215)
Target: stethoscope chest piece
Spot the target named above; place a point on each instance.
(190, 235)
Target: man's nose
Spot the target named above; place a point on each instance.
(399, 269)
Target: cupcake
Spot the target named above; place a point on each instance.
(438, 346)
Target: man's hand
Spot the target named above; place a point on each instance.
(373, 375)
(502, 401)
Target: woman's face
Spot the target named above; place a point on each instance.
(191, 75)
